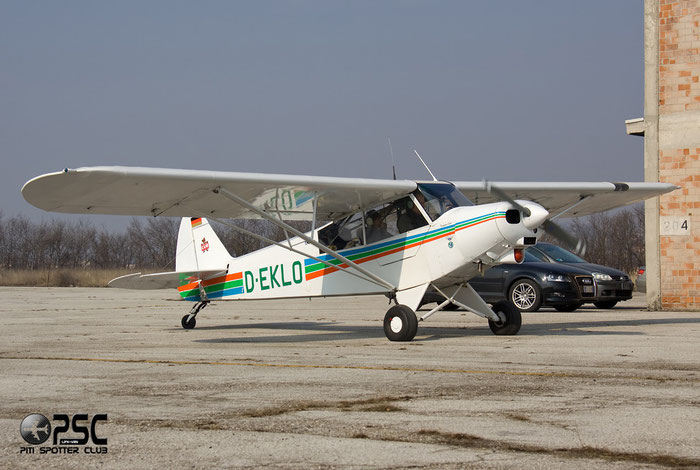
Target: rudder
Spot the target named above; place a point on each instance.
(198, 247)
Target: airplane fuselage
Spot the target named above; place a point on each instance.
(444, 252)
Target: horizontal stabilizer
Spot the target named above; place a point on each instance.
(169, 280)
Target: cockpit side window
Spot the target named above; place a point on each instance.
(344, 233)
(380, 223)
(408, 214)
(387, 220)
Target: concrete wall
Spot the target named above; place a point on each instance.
(678, 146)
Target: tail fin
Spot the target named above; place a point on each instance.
(198, 247)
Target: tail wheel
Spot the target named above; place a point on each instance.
(187, 322)
(511, 320)
(400, 323)
(525, 295)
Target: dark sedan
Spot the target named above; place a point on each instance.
(531, 285)
(611, 285)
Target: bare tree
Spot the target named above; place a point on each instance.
(153, 245)
(613, 238)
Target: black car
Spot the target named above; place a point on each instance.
(531, 285)
(611, 285)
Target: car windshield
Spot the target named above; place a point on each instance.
(559, 254)
(532, 257)
(441, 197)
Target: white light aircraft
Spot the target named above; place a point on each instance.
(397, 238)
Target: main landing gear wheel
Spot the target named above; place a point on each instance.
(510, 319)
(188, 322)
(400, 323)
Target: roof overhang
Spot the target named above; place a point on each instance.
(635, 126)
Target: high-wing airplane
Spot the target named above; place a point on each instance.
(390, 237)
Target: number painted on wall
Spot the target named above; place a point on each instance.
(678, 226)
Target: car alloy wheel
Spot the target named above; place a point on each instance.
(525, 296)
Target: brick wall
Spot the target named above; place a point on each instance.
(679, 147)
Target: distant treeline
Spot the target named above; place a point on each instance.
(614, 239)
(149, 245)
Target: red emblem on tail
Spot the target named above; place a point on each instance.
(205, 245)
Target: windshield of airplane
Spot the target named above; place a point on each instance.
(441, 197)
(559, 254)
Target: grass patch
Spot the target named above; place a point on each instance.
(587, 452)
(382, 404)
(517, 417)
(62, 277)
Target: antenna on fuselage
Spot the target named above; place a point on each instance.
(393, 163)
(426, 166)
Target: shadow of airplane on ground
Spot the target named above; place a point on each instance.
(340, 331)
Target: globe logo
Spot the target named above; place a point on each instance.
(35, 429)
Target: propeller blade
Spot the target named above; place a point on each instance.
(577, 245)
(506, 197)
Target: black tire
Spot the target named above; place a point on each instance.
(525, 295)
(512, 320)
(400, 323)
(188, 325)
(605, 304)
(567, 307)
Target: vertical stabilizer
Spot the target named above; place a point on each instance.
(198, 247)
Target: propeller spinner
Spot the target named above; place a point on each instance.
(571, 241)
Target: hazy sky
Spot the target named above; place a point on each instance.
(522, 91)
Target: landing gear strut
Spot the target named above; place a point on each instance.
(188, 321)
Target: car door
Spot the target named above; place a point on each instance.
(490, 285)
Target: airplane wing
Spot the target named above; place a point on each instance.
(183, 193)
(556, 197)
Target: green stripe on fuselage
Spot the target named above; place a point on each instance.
(214, 288)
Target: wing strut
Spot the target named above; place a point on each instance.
(281, 245)
(567, 209)
(237, 199)
(279, 214)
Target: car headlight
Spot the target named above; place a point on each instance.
(555, 278)
(601, 277)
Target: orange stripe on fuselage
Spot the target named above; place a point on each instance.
(209, 282)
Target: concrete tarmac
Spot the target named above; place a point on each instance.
(315, 384)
